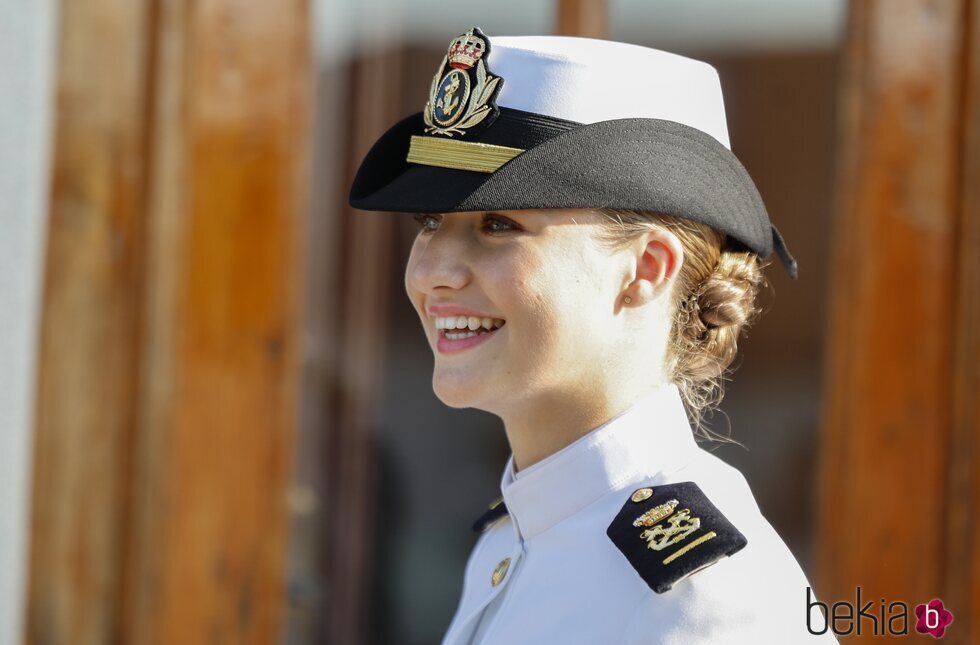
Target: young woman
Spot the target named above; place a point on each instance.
(589, 252)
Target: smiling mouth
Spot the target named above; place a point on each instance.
(460, 327)
(459, 334)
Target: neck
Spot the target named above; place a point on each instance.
(541, 422)
(546, 424)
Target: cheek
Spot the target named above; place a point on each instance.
(524, 288)
(547, 304)
(508, 278)
(576, 307)
(414, 294)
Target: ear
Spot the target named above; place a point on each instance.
(662, 256)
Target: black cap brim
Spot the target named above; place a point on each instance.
(638, 164)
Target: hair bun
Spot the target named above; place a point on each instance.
(717, 311)
(726, 298)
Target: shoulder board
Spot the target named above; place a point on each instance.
(497, 509)
(668, 532)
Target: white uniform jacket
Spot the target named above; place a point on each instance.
(547, 572)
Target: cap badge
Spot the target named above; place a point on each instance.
(463, 90)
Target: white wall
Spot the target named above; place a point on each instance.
(27, 53)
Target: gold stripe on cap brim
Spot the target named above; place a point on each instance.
(459, 155)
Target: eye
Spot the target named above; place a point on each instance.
(493, 223)
(425, 220)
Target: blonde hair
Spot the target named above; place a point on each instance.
(714, 302)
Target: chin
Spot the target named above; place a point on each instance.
(457, 394)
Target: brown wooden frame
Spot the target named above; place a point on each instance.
(900, 501)
(168, 359)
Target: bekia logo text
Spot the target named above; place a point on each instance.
(877, 618)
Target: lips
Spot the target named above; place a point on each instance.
(446, 345)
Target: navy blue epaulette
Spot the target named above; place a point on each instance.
(669, 532)
(497, 510)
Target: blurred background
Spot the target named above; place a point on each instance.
(216, 415)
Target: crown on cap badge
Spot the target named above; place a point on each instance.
(463, 90)
(466, 50)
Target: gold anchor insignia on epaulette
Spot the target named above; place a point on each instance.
(679, 526)
(681, 532)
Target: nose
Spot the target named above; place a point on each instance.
(437, 264)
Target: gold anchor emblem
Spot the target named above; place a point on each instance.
(679, 526)
(447, 103)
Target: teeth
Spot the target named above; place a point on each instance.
(451, 336)
(471, 323)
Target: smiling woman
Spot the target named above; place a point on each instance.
(588, 288)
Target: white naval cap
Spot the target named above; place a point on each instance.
(588, 80)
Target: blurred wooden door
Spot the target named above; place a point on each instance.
(901, 441)
(167, 371)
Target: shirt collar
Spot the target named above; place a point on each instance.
(637, 444)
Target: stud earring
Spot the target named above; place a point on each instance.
(627, 300)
